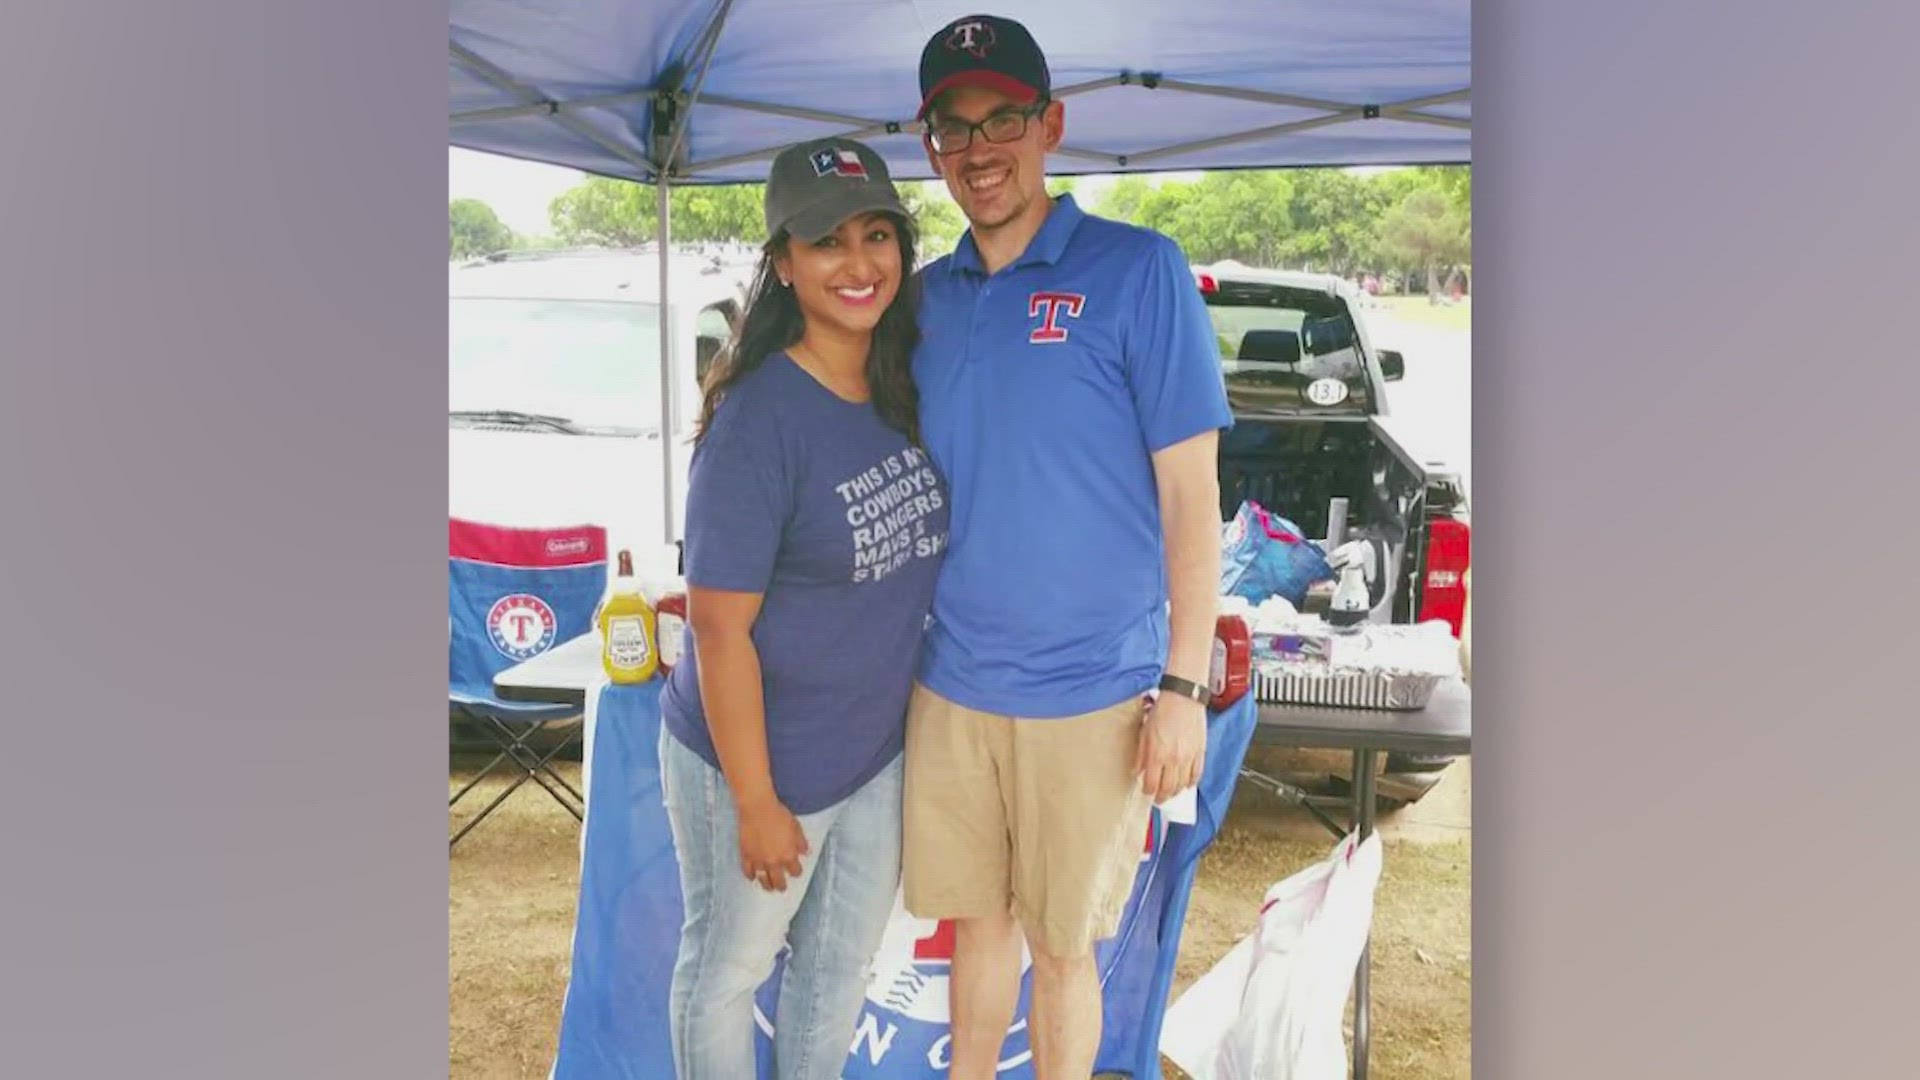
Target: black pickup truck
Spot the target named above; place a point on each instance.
(1308, 390)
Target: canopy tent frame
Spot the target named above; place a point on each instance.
(1332, 112)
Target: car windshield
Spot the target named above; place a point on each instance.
(1287, 349)
(594, 363)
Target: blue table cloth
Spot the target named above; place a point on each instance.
(627, 927)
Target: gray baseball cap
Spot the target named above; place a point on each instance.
(814, 186)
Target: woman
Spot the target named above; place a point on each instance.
(815, 527)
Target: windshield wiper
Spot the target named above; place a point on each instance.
(510, 418)
(558, 425)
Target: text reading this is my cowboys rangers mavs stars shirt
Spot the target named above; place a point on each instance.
(1044, 391)
(812, 501)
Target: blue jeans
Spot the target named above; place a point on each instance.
(832, 917)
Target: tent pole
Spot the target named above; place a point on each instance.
(669, 132)
(668, 383)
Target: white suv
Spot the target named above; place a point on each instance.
(554, 387)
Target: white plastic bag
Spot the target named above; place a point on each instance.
(1271, 1008)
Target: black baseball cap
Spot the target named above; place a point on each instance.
(814, 186)
(983, 50)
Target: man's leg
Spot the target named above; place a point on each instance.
(1079, 827)
(1064, 1022)
(957, 866)
(984, 989)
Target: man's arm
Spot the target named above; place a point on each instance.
(1173, 742)
(1188, 476)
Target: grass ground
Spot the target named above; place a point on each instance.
(1416, 310)
(513, 883)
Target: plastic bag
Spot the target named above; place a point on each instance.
(1264, 555)
(1271, 1009)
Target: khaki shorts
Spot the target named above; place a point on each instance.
(1043, 818)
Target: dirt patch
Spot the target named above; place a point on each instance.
(513, 883)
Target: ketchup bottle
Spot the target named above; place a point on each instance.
(672, 615)
(1231, 670)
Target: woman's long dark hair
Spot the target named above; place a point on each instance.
(773, 322)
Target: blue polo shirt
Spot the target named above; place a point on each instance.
(1044, 391)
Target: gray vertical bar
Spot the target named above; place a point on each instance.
(1363, 800)
(1336, 522)
(667, 382)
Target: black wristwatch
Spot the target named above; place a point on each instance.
(1174, 684)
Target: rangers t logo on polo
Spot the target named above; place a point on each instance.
(835, 162)
(1053, 303)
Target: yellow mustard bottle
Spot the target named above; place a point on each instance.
(628, 632)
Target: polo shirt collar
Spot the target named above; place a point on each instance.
(1044, 249)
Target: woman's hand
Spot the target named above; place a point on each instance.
(771, 843)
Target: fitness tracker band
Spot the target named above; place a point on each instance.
(1174, 684)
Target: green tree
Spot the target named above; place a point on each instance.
(934, 214)
(1243, 215)
(717, 212)
(474, 229)
(601, 210)
(1455, 181)
(1335, 215)
(1426, 230)
(1122, 201)
(620, 213)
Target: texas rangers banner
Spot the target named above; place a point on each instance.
(627, 928)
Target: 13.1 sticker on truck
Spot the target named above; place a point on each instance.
(1327, 391)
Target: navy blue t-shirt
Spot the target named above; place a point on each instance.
(812, 501)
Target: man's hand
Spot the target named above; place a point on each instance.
(1173, 747)
(771, 843)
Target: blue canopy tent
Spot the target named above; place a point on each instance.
(671, 92)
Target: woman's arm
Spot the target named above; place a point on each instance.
(771, 840)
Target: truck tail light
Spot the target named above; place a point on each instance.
(1449, 544)
(1208, 285)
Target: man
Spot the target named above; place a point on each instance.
(1071, 394)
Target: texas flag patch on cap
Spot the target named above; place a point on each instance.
(838, 162)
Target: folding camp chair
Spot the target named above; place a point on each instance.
(513, 594)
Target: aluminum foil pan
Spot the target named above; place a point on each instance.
(1320, 684)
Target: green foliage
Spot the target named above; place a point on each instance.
(599, 210)
(727, 212)
(935, 214)
(1410, 221)
(1334, 213)
(620, 213)
(474, 229)
(1426, 230)
(1413, 220)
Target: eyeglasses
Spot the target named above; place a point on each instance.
(951, 136)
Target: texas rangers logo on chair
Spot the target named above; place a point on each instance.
(521, 626)
(839, 161)
(513, 593)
